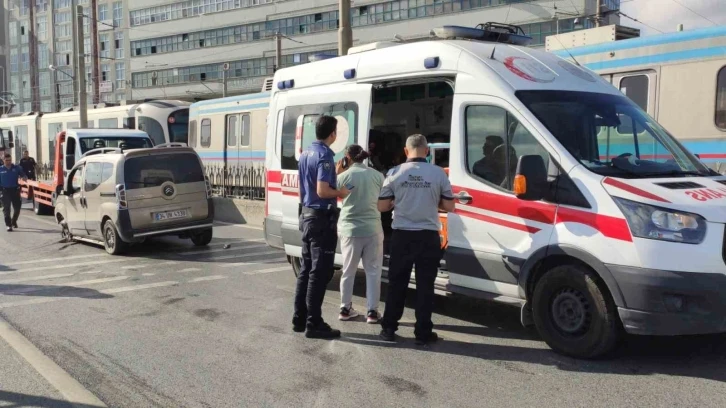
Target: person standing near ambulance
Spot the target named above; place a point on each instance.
(318, 215)
(9, 175)
(361, 232)
(415, 190)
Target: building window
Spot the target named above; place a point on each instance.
(117, 14)
(105, 73)
(61, 3)
(636, 88)
(119, 44)
(44, 84)
(102, 12)
(26, 86)
(13, 28)
(721, 99)
(120, 75)
(42, 27)
(104, 44)
(46, 106)
(43, 56)
(41, 5)
(25, 58)
(14, 60)
(87, 49)
(24, 32)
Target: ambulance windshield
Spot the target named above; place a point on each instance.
(611, 135)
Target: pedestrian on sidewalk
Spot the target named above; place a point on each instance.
(360, 231)
(29, 165)
(9, 175)
(318, 215)
(415, 190)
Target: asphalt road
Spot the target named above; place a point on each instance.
(171, 325)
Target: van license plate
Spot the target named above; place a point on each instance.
(170, 215)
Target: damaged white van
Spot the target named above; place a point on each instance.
(571, 202)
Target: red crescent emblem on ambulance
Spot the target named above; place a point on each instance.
(529, 69)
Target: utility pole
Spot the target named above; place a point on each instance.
(278, 51)
(598, 13)
(94, 51)
(81, 69)
(76, 27)
(345, 33)
(33, 45)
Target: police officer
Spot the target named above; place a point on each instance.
(418, 190)
(9, 175)
(318, 224)
(28, 164)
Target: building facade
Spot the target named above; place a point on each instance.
(178, 49)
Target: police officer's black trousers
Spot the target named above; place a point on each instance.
(11, 196)
(320, 238)
(421, 249)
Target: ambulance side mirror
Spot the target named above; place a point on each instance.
(530, 182)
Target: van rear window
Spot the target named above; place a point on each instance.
(155, 170)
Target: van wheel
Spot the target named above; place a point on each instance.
(111, 240)
(40, 209)
(573, 314)
(65, 232)
(202, 238)
(296, 265)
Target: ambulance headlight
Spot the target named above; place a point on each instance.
(647, 221)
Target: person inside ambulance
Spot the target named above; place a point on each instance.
(502, 174)
(483, 166)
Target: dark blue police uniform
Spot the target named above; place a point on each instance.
(318, 224)
(11, 192)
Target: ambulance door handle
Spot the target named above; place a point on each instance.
(463, 197)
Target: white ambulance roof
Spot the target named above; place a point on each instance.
(512, 68)
(83, 133)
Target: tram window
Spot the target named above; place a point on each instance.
(206, 136)
(153, 128)
(636, 88)
(721, 99)
(245, 140)
(108, 123)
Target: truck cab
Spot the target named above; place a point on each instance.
(73, 144)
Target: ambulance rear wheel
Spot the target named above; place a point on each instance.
(41, 209)
(574, 313)
(296, 265)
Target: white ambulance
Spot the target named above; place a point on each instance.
(571, 202)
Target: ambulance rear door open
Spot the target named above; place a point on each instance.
(351, 105)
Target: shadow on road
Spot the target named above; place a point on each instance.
(14, 399)
(51, 291)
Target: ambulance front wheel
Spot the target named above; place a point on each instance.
(574, 314)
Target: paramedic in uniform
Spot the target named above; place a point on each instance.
(415, 190)
(318, 224)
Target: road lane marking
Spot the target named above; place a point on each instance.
(44, 268)
(78, 285)
(138, 287)
(276, 251)
(269, 270)
(134, 266)
(69, 387)
(211, 251)
(207, 278)
(35, 261)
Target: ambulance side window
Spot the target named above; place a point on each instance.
(494, 141)
(300, 120)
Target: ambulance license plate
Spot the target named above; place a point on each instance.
(171, 215)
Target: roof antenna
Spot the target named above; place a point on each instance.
(557, 36)
(500, 33)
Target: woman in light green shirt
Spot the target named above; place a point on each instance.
(360, 231)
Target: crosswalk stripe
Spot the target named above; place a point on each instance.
(189, 270)
(134, 266)
(37, 278)
(61, 266)
(271, 260)
(207, 278)
(35, 261)
(270, 270)
(71, 284)
(211, 251)
(138, 287)
(219, 258)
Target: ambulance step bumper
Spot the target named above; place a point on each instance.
(669, 303)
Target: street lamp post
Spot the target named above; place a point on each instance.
(5, 83)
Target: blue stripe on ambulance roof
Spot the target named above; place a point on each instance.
(668, 38)
(659, 58)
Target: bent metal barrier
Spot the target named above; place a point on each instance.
(238, 181)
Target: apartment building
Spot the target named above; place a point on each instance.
(178, 49)
(43, 36)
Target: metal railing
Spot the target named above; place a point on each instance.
(245, 181)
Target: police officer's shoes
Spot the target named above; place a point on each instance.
(322, 331)
(420, 341)
(388, 335)
(15, 225)
(9, 229)
(298, 324)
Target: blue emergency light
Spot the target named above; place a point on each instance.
(490, 32)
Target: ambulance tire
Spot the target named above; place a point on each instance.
(296, 265)
(574, 314)
(41, 209)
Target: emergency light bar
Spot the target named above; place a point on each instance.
(490, 32)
